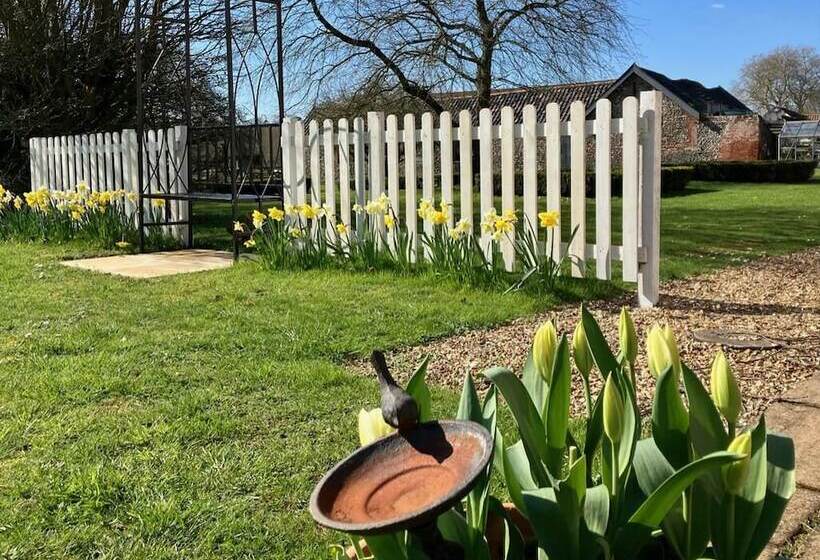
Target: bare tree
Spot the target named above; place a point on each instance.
(786, 77)
(424, 46)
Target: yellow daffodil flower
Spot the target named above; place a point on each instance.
(372, 426)
(238, 226)
(250, 243)
(389, 221)
(258, 219)
(548, 219)
(276, 214)
(342, 229)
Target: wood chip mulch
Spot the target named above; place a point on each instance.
(778, 297)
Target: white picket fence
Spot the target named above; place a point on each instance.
(108, 161)
(327, 150)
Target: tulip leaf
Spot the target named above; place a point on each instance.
(453, 527)
(418, 389)
(670, 420)
(780, 487)
(604, 359)
(596, 509)
(535, 384)
(469, 407)
(749, 502)
(651, 513)
(386, 547)
(558, 401)
(706, 431)
(517, 474)
(550, 524)
(526, 416)
(594, 433)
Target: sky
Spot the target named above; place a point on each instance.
(708, 41)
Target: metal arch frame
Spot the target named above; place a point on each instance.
(237, 172)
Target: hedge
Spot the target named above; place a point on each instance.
(755, 171)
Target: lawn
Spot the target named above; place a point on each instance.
(190, 416)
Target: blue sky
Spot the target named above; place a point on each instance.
(709, 41)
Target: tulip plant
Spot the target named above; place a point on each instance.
(692, 488)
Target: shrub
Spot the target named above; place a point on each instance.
(755, 171)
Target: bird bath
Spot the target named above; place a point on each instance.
(405, 480)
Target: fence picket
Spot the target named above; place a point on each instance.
(530, 171)
(288, 162)
(465, 162)
(86, 158)
(358, 169)
(32, 150)
(314, 143)
(410, 182)
(92, 161)
(485, 147)
(299, 163)
(508, 181)
(578, 210)
(629, 253)
(393, 165)
(375, 127)
(553, 135)
(109, 163)
(603, 189)
(330, 175)
(343, 140)
(651, 106)
(446, 151)
(427, 166)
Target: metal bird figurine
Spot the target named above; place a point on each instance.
(398, 408)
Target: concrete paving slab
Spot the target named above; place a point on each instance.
(152, 265)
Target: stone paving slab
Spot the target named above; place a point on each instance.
(798, 415)
(152, 265)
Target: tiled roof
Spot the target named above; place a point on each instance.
(563, 94)
(706, 101)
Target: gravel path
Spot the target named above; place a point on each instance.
(778, 297)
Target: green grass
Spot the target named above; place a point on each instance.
(190, 416)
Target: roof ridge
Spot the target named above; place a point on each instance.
(522, 89)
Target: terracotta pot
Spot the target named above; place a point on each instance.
(495, 530)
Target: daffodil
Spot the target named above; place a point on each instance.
(250, 243)
(342, 228)
(291, 210)
(503, 226)
(276, 214)
(358, 208)
(258, 219)
(548, 219)
(425, 208)
(439, 217)
(296, 233)
(158, 202)
(389, 221)
(18, 202)
(122, 244)
(509, 216)
(239, 226)
(309, 212)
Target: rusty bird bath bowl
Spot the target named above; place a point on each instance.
(403, 481)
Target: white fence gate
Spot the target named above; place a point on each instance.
(329, 147)
(108, 161)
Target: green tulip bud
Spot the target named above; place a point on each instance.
(544, 347)
(372, 426)
(735, 474)
(672, 346)
(580, 351)
(613, 410)
(628, 336)
(657, 351)
(725, 392)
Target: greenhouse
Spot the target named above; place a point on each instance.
(799, 140)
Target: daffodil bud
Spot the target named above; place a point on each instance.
(543, 350)
(372, 426)
(672, 346)
(725, 392)
(613, 410)
(735, 474)
(580, 351)
(657, 351)
(627, 336)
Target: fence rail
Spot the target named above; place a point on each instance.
(365, 154)
(108, 161)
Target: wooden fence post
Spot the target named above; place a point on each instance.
(650, 197)
(181, 182)
(375, 129)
